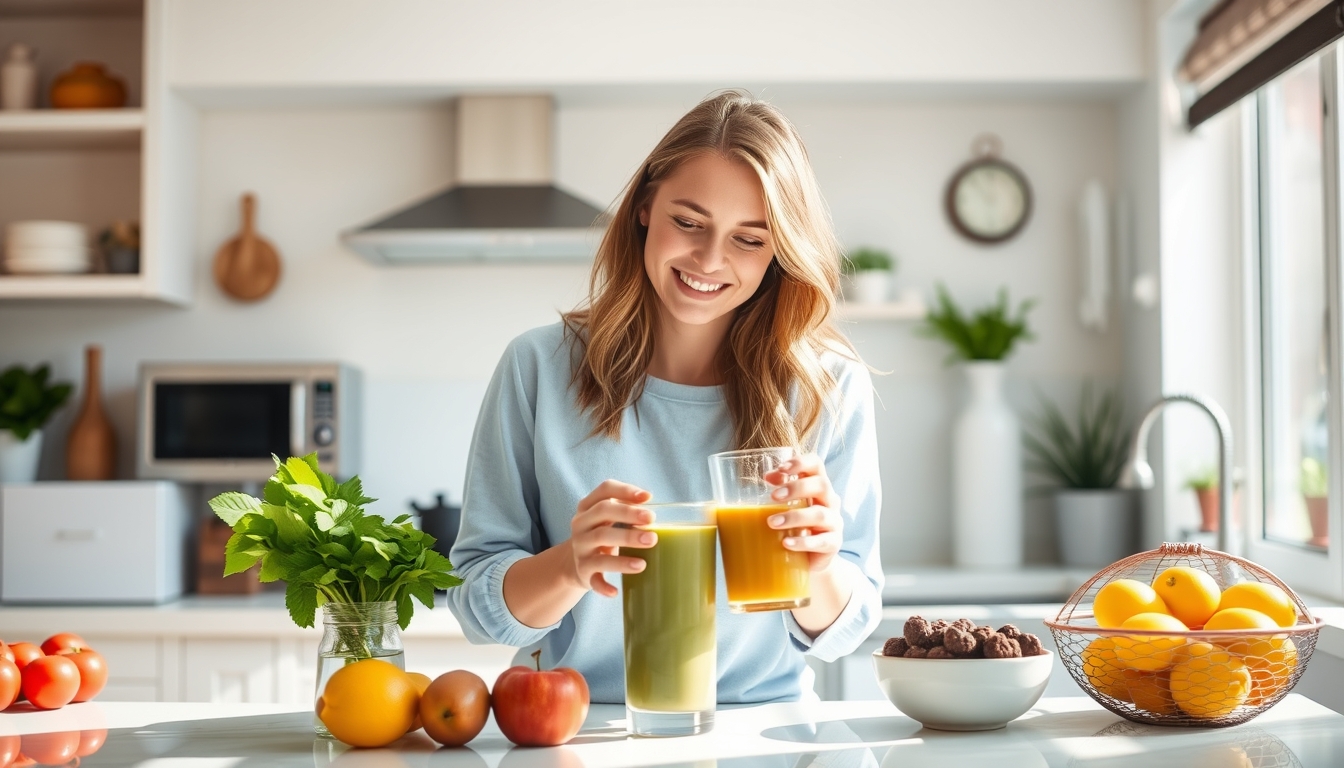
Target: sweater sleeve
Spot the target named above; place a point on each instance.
(850, 456)
(500, 507)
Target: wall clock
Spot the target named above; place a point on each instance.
(988, 199)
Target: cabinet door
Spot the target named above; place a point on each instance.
(134, 667)
(434, 656)
(229, 671)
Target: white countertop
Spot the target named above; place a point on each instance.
(1058, 732)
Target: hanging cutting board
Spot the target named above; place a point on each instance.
(247, 267)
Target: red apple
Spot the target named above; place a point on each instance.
(536, 708)
(454, 708)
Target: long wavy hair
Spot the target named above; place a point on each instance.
(770, 362)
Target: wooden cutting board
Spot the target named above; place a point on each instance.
(247, 267)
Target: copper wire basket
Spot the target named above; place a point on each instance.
(1194, 678)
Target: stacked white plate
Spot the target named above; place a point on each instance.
(46, 247)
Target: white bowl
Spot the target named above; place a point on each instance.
(45, 234)
(963, 694)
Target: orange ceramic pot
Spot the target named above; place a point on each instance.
(87, 85)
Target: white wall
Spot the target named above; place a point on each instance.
(428, 337)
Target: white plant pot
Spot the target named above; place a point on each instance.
(1096, 526)
(986, 474)
(18, 459)
(870, 286)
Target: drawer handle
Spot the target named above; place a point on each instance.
(79, 534)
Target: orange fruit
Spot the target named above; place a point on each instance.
(1270, 673)
(1209, 682)
(1150, 691)
(1149, 652)
(1123, 598)
(1244, 618)
(1104, 670)
(421, 682)
(1268, 599)
(370, 703)
(1190, 594)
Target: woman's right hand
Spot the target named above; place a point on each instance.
(595, 537)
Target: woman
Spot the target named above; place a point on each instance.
(708, 328)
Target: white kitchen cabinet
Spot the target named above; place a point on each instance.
(229, 671)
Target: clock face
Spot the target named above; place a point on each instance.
(988, 200)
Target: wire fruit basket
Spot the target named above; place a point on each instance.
(1198, 678)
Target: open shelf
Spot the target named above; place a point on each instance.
(38, 129)
(905, 309)
(80, 286)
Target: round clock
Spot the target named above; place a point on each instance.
(988, 199)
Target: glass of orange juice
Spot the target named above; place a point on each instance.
(759, 573)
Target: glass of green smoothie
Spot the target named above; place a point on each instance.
(668, 608)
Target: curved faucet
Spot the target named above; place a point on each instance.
(1139, 474)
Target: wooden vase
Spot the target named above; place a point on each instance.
(91, 447)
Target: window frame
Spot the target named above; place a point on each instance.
(1304, 568)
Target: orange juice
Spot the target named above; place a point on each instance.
(760, 574)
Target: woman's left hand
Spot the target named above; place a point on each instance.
(817, 528)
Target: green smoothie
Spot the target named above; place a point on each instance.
(669, 622)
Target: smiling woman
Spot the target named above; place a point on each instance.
(707, 328)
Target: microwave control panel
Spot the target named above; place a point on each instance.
(324, 412)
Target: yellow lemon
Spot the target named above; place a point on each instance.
(1271, 673)
(1190, 594)
(1247, 645)
(1150, 691)
(1268, 599)
(370, 703)
(1104, 670)
(1149, 652)
(1123, 598)
(1209, 682)
(421, 681)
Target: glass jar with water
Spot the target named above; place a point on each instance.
(352, 632)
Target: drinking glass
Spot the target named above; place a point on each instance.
(668, 612)
(761, 575)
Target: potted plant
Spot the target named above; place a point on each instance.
(1205, 485)
(868, 274)
(1314, 483)
(361, 570)
(27, 400)
(1097, 523)
(986, 439)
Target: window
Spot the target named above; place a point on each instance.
(1295, 358)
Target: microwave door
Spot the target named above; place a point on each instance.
(298, 418)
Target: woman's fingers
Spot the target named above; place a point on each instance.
(811, 487)
(813, 517)
(609, 536)
(826, 543)
(615, 489)
(609, 512)
(601, 564)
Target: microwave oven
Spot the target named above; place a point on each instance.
(222, 422)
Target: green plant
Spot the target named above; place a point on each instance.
(27, 400)
(1314, 480)
(1205, 479)
(1090, 456)
(988, 334)
(867, 259)
(312, 533)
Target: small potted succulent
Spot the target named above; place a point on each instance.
(1205, 485)
(1314, 484)
(868, 274)
(1097, 523)
(27, 401)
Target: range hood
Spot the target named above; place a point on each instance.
(503, 205)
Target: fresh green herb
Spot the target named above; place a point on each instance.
(27, 400)
(1204, 480)
(989, 334)
(312, 533)
(867, 259)
(1091, 457)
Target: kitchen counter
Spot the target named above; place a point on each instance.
(1071, 731)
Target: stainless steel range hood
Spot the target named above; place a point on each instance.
(503, 206)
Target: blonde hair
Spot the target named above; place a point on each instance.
(770, 363)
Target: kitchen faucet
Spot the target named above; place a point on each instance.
(1139, 474)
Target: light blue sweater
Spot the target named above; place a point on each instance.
(532, 461)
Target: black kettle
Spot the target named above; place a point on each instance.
(440, 521)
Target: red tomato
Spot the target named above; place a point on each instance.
(5, 653)
(10, 681)
(24, 653)
(56, 748)
(9, 749)
(63, 641)
(91, 741)
(50, 682)
(92, 671)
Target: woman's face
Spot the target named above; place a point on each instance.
(708, 242)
